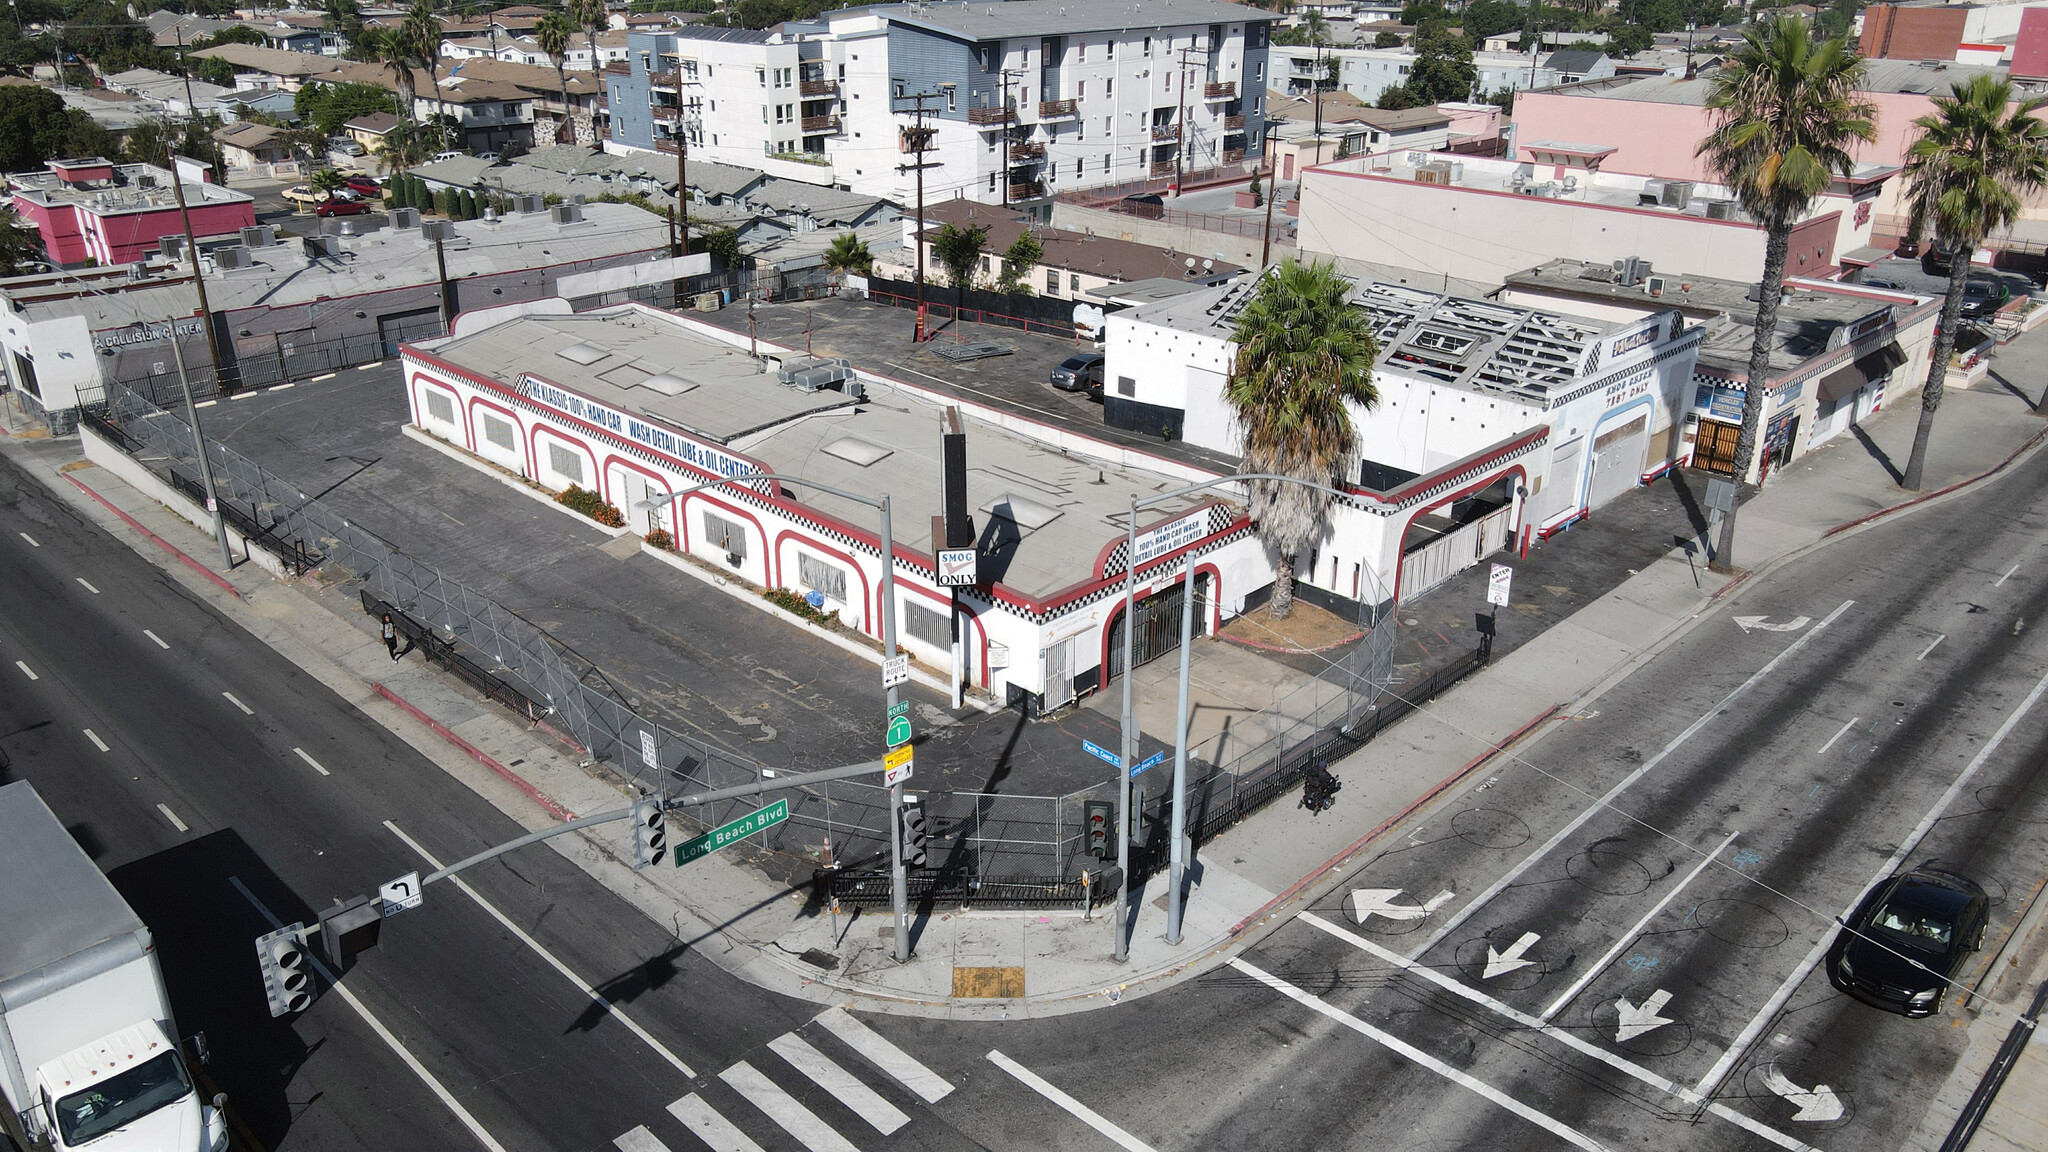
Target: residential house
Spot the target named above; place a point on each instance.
(1072, 266)
(1575, 64)
(248, 144)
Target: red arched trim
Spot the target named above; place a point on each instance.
(768, 566)
(476, 402)
(634, 465)
(1488, 480)
(869, 620)
(533, 446)
(454, 399)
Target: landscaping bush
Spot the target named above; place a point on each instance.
(659, 538)
(590, 504)
(794, 602)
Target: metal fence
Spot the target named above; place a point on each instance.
(260, 362)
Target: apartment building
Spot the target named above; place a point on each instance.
(742, 97)
(1368, 72)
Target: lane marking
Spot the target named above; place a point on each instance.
(884, 1055)
(1078, 1110)
(246, 710)
(1930, 647)
(1400, 1047)
(1837, 736)
(31, 540)
(1569, 1039)
(88, 586)
(2007, 576)
(865, 1102)
(1600, 965)
(413, 1062)
(27, 671)
(96, 741)
(784, 1109)
(311, 761)
(1601, 805)
(640, 1140)
(159, 640)
(1770, 1009)
(707, 1125)
(172, 817)
(659, 1048)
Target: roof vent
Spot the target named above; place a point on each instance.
(580, 353)
(663, 383)
(854, 450)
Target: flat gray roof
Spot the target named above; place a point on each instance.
(55, 902)
(1013, 18)
(1906, 76)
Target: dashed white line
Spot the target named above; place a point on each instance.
(2007, 576)
(1080, 1111)
(159, 640)
(865, 1102)
(785, 1109)
(31, 540)
(172, 817)
(1837, 735)
(96, 741)
(27, 671)
(311, 761)
(1600, 965)
(1930, 647)
(88, 586)
(246, 710)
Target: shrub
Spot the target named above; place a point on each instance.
(590, 504)
(660, 538)
(794, 602)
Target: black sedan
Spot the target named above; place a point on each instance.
(1983, 298)
(1908, 939)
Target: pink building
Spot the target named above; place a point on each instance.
(95, 210)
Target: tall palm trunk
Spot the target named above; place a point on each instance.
(568, 119)
(1283, 589)
(1755, 395)
(596, 80)
(1937, 365)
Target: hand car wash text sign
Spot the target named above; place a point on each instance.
(660, 439)
(1157, 542)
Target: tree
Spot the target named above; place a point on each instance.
(21, 247)
(329, 106)
(1304, 356)
(1258, 193)
(344, 18)
(214, 70)
(1019, 259)
(1397, 97)
(1976, 158)
(233, 34)
(848, 255)
(722, 243)
(958, 251)
(35, 126)
(407, 145)
(1786, 112)
(1628, 39)
(1443, 68)
(553, 34)
(1422, 12)
(469, 209)
(1483, 19)
(1387, 40)
(329, 181)
(393, 48)
(1503, 99)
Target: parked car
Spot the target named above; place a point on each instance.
(449, 155)
(1984, 297)
(344, 146)
(341, 208)
(1908, 939)
(1081, 372)
(365, 186)
(304, 194)
(490, 157)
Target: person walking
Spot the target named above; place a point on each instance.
(390, 631)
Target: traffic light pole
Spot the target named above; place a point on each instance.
(899, 881)
(1128, 748)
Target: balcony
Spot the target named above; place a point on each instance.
(618, 68)
(1023, 150)
(1227, 90)
(1233, 123)
(1165, 133)
(1027, 190)
(818, 125)
(664, 80)
(991, 117)
(1050, 109)
(1233, 155)
(818, 89)
(819, 158)
(1162, 168)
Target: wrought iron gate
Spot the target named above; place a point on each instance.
(1158, 625)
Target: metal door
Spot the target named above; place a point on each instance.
(1158, 626)
(1618, 455)
(1059, 674)
(1714, 450)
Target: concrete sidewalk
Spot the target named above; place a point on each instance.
(991, 964)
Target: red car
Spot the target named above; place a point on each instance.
(341, 208)
(364, 186)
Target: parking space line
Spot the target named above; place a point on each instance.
(1416, 1055)
(159, 640)
(370, 365)
(446, 1097)
(2007, 576)
(290, 384)
(308, 759)
(1769, 1011)
(206, 403)
(96, 741)
(1569, 1039)
(88, 586)
(26, 670)
(232, 699)
(1614, 793)
(1930, 647)
(1075, 1108)
(659, 1048)
(31, 540)
(172, 817)
(1837, 736)
(1600, 965)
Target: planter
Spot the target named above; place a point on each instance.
(1247, 200)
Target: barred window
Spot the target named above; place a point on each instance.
(927, 624)
(567, 463)
(822, 577)
(724, 535)
(440, 406)
(497, 431)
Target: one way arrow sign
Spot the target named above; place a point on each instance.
(1816, 1107)
(1763, 624)
(1502, 963)
(1636, 1020)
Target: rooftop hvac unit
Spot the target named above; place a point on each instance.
(405, 218)
(528, 203)
(707, 301)
(437, 230)
(1436, 173)
(1415, 159)
(257, 237)
(1629, 272)
(321, 247)
(1720, 209)
(576, 198)
(138, 270)
(231, 257)
(1654, 285)
(173, 247)
(1652, 193)
(1676, 194)
(566, 213)
(1518, 182)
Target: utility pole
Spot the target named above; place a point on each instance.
(1317, 87)
(198, 280)
(917, 140)
(1180, 148)
(1272, 194)
(441, 270)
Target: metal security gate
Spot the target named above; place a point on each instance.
(1714, 450)
(1158, 625)
(1453, 552)
(1618, 457)
(399, 327)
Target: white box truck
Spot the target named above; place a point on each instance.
(89, 1056)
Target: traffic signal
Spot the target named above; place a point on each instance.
(915, 833)
(650, 833)
(282, 957)
(1099, 820)
(350, 927)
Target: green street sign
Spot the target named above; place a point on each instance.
(899, 731)
(899, 708)
(739, 829)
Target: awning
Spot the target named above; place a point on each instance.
(1872, 365)
(1862, 257)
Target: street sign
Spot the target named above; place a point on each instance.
(1720, 495)
(1147, 762)
(401, 894)
(899, 708)
(647, 756)
(897, 771)
(739, 829)
(1497, 583)
(895, 670)
(899, 730)
(1102, 754)
(956, 567)
(896, 757)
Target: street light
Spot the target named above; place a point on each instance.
(1177, 845)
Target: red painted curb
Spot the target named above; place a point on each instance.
(2002, 465)
(1443, 785)
(477, 754)
(166, 545)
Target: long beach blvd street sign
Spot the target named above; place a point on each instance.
(739, 829)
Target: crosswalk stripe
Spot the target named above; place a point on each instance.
(783, 1108)
(886, 1056)
(640, 1140)
(714, 1130)
(864, 1101)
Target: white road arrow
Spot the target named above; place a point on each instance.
(1502, 963)
(1367, 902)
(1817, 1106)
(1637, 1020)
(1762, 624)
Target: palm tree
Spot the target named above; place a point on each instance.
(590, 16)
(553, 33)
(1304, 356)
(422, 34)
(329, 181)
(391, 48)
(1787, 111)
(1978, 154)
(847, 254)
